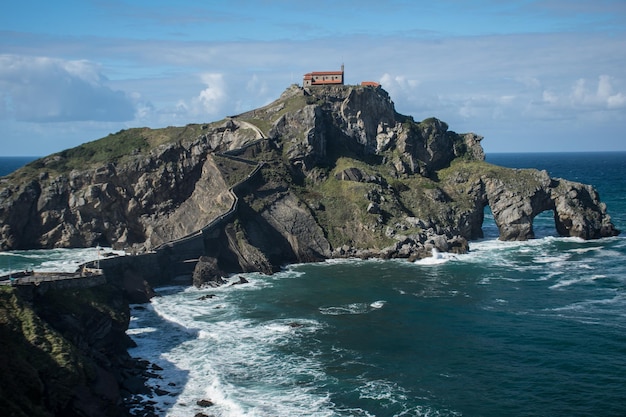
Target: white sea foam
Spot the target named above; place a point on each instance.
(577, 280)
(586, 250)
(140, 331)
(608, 311)
(437, 258)
(241, 365)
(335, 261)
(352, 308)
(544, 258)
(382, 390)
(51, 260)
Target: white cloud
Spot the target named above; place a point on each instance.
(605, 93)
(212, 98)
(487, 84)
(41, 89)
(257, 86)
(399, 85)
(584, 96)
(550, 97)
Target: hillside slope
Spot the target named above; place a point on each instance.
(343, 174)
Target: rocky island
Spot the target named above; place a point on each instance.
(322, 172)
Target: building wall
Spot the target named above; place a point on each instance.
(323, 78)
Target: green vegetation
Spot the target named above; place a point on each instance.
(232, 171)
(32, 352)
(19, 316)
(344, 215)
(115, 147)
(263, 125)
(471, 171)
(47, 353)
(265, 117)
(432, 121)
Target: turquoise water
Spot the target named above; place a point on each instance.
(533, 328)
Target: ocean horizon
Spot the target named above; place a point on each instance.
(8, 164)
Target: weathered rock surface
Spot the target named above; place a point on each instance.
(207, 271)
(319, 173)
(64, 353)
(323, 172)
(516, 197)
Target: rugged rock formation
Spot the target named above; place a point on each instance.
(516, 197)
(322, 172)
(319, 173)
(64, 353)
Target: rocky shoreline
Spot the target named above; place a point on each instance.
(321, 173)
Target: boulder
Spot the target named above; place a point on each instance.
(208, 272)
(351, 174)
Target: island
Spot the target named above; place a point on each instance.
(325, 171)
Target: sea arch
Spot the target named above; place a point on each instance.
(515, 201)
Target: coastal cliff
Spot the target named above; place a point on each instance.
(324, 172)
(64, 352)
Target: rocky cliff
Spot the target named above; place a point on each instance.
(319, 173)
(340, 173)
(64, 353)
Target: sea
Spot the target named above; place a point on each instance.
(535, 328)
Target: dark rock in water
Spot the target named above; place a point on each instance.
(206, 297)
(161, 392)
(207, 271)
(517, 198)
(242, 280)
(205, 403)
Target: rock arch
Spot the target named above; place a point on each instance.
(516, 200)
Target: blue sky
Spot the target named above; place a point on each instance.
(546, 75)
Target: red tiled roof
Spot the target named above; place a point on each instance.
(318, 73)
(326, 73)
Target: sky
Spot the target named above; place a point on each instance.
(528, 75)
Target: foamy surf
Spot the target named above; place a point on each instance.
(51, 260)
(237, 364)
(436, 258)
(353, 308)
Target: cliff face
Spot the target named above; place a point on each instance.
(319, 173)
(364, 121)
(341, 174)
(151, 198)
(62, 353)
